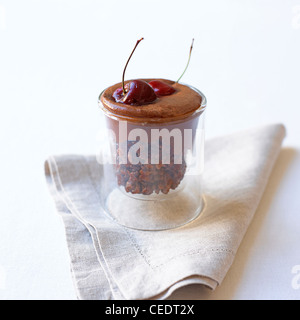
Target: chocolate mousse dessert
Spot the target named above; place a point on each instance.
(151, 104)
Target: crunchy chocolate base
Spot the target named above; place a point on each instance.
(150, 178)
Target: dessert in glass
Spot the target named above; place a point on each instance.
(153, 153)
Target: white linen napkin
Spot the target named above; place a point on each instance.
(109, 261)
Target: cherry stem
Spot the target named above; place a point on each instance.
(123, 84)
(187, 62)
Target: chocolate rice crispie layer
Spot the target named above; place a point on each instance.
(150, 178)
(147, 178)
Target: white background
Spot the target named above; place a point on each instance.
(56, 56)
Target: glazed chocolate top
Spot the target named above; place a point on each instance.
(179, 105)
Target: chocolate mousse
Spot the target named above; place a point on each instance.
(177, 106)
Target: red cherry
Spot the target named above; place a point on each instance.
(161, 88)
(137, 92)
(118, 94)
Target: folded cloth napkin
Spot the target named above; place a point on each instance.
(109, 261)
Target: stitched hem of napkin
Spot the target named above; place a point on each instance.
(53, 170)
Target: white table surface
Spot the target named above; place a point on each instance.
(55, 58)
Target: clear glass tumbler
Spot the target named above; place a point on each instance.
(152, 170)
